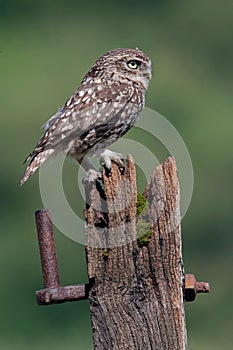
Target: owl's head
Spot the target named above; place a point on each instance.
(125, 64)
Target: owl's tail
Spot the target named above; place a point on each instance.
(35, 162)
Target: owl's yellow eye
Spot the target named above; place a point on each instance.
(133, 64)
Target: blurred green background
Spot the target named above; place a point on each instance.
(45, 49)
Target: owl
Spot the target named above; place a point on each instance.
(105, 106)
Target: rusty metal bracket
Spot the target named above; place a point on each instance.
(53, 292)
(192, 287)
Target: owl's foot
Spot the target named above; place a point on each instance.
(91, 176)
(107, 156)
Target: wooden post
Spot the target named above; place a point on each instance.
(136, 283)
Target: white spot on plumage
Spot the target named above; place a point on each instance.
(88, 113)
(85, 98)
(67, 127)
(95, 109)
(77, 101)
(92, 132)
(68, 103)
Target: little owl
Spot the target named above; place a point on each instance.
(105, 106)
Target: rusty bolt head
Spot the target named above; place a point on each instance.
(192, 287)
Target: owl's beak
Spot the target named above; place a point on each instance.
(148, 73)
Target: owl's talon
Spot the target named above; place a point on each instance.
(91, 176)
(107, 156)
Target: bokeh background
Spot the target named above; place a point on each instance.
(45, 49)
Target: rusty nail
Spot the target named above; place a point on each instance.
(192, 287)
(47, 248)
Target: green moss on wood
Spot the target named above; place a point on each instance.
(141, 203)
(145, 238)
(143, 225)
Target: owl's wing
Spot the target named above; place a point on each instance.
(53, 119)
(88, 108)
(92, 106)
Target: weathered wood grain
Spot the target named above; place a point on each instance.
(136, 290)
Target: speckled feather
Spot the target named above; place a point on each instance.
(103, 108)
